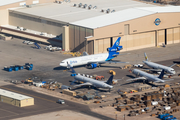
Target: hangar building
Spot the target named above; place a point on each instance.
(93, 26)
(15, 99)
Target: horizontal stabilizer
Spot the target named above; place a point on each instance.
(173, 65)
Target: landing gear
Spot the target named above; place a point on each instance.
(89, 87)
(145, 81)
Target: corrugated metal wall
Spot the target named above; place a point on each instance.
(77, 40)
(35, 23)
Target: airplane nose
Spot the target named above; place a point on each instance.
(111, 87)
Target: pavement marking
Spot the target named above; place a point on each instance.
(9, 111)
(28, 94)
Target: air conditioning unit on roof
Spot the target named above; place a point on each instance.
(85, 5)
(90, 6)
(108, 10)
(95, 7)
(74, 5)
(80, 4)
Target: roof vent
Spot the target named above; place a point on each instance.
(74, 5)
(102, 10)
(85, 5)
(80, 4)
(90, 6)
(95, 7)
(108, 10)
(112, 11)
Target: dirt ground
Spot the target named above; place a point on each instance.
(59, 115)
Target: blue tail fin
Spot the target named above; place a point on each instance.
(161, 75)
(110, 80)
(146, 57)
(116, 44)
(113, 50)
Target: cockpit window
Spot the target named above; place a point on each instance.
(172, 70)
(62, 62)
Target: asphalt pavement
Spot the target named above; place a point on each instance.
(42, 104)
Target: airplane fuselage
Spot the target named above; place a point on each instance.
(95, 83)
(149, 77)
(158, 66)
(84, 60)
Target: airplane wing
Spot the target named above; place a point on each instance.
(82, 84)
(155, 70)
(85, 54)
(139, 78)
(103, 62)
(112, 62)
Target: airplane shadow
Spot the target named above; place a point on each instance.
(130, 76)
(60, 68)
(82, 87)
(178, 62)
(65, 68)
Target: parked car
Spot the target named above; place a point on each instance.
(60, 101)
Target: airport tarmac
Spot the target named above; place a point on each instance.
(46, 67)
(42, 104)
(46, 63)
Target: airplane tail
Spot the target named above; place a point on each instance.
(116, 44)
(146, 57)
(113, 50)
(161, 75)
(110, 80)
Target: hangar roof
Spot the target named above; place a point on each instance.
(65, 12)
(162, 9)
(6, 2)
(123, 15)
(13, 95)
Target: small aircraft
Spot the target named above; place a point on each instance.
(157, 67)
(95, 60)
(91, 82)
(148, 77)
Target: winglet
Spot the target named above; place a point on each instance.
(146, 57)
(110, 80)
(161, 75)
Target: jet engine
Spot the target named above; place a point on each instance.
(114, 49)
(93, 65)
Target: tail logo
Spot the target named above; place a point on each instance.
(117, 43)
(146, 57)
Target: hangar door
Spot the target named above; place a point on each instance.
(137, 41)
(173, 35)
(101, 45)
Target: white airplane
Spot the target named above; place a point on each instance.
(149, 77)
(94, 60)
(157, 67)
(91, 82)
